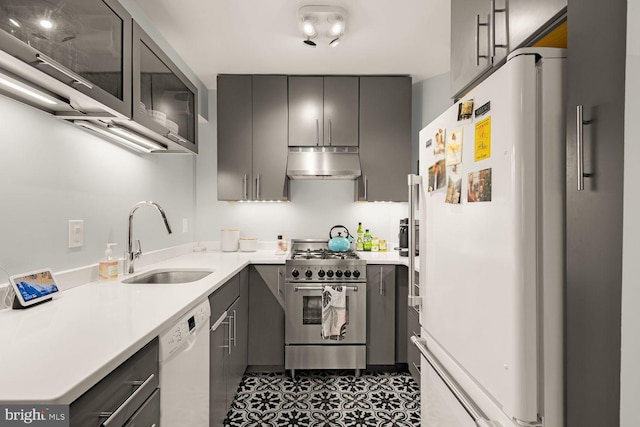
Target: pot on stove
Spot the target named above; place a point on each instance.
(340, 243)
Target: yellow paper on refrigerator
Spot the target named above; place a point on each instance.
(482, 149)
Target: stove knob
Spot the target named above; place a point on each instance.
(338, 273)
(356, 273)
(329, 273)
(308, 273)
(295, 273)
(321, 273)
(347, 273)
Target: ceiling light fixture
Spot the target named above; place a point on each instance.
(329, 21)
(14, 23)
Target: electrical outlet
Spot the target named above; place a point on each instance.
(185, 225)
(76, 233)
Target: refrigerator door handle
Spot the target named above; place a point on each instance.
(414, 182)
(468, 405)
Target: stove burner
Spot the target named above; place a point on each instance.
(323, 254)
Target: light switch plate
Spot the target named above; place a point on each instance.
(185, 225)
(76, 233)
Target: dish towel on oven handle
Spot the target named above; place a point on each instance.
(334, 312)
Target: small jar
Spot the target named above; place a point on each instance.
(375, 244)
(383, 245)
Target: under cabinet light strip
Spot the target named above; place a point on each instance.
(103, 131)
(26, 90)
(136, 139)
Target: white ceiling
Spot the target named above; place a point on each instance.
(264, 37)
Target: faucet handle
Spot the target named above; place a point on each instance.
(138, 249)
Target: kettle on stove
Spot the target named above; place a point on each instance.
(340, 243)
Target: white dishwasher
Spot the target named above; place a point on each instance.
(184, 370)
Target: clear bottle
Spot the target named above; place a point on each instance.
(359, 238)
(367, 240)
(108, 266)
(282, 244)
(375, 244)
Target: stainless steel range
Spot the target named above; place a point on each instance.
(310, 268)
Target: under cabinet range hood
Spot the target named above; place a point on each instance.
(323, 163)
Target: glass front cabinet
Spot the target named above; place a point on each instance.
(164, 100)
(70, 46)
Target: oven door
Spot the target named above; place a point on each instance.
(303, 319)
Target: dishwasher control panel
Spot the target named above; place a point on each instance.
(182, 332)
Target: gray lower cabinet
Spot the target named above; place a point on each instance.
(252, 137)
(381, 314)
(266, 320)
(228, 344)
(129, 393)
(323, 111)
(594, 228)
(385, 138)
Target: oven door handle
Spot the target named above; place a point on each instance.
(319, 288)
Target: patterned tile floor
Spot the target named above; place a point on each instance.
(326, 399)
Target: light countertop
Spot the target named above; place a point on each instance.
(55, 352)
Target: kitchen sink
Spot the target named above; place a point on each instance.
(173, 276)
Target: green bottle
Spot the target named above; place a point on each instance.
(367, 240)
(359, 238)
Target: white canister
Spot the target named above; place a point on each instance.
(248, 244)
(229, 240)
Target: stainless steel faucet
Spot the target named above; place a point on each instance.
(130, 256)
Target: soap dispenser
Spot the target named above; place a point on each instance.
(108, 267)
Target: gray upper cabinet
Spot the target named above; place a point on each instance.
(252, 137)
(527, 19)
(483, 32)
(270, 115)
(341, 111)
(235, 135)
(164, 100)
(469, 42)
(323, 111)
(81, 52)
(306, 110)
(385, 138)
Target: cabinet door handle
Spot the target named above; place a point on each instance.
(492, 28)
(64, 70)
(279, 276)
(317, 131)
(235, 329)
(245, 187)
(580, 122)
(229, 330)
(330, 132)
(366, 184)
(478, 25)
(258, 187)
(381, 283)
(115, 415)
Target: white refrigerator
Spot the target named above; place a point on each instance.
(490, 199)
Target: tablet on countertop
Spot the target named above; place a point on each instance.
(34, 287)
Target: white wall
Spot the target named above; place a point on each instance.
(52, 172)
(314, 206)
(630, 369)
(430, 98)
